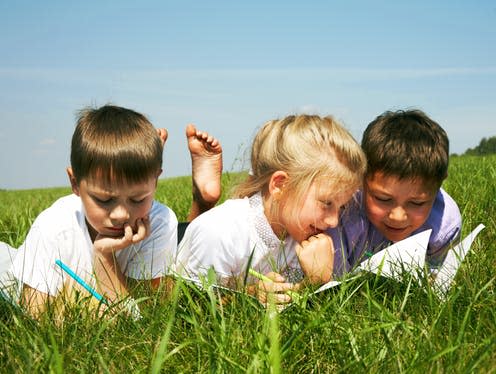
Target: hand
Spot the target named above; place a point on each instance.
(274, 290)
(316, 256)
(109, 244)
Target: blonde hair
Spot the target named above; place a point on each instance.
(306, 147)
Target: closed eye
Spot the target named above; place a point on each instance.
(382, 199)
(327, 204)
(102, 201)
(418, 203)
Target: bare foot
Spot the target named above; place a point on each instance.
(163, 134)
(206, 164)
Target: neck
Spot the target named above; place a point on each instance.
(271, 210)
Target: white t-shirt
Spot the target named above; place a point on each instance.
(60, 232)
(232, 237)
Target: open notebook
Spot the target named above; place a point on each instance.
(408, 256)
(404, 257)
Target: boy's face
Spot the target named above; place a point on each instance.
(316, 211)
(108, 209)
(397, 207)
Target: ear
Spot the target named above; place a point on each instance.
(156, 177)
(72, 180)
(277, 182)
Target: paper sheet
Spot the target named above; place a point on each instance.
(454, 258)
(408, 256)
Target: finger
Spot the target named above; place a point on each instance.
(140, 231)
(148, 225)
(323, 236)
(275, 287)
(143, 230)
(296, 286)
(128, 233)
(276, 277)
(314, 237)
(277, 298)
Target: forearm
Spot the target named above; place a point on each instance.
(318, 276)
(110, 281)
(34, 301)
(316, 257)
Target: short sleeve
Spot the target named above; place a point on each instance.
(34, 263)
(153, 257)
(445, 221)
(204, 247)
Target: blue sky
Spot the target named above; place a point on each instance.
(229, 66)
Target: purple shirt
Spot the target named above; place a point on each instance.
(355, 236)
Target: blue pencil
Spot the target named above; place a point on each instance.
(78, 279)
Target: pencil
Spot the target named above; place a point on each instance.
(78, 279)
(259, 275)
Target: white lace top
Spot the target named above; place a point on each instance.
(233, 237)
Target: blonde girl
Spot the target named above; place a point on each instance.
(304, 168)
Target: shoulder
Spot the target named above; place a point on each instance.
(224, 223)
(353, 222)
(445, 211)
(443, 199)
(65, 213)
(445, 220)
(216, 238)
(161, 215)
(230, 213)
(354, 210)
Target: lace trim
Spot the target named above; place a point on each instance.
(269, 238)
(262, 226)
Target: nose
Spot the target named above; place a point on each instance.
(332, 219)
(119, 214)
(397, 214)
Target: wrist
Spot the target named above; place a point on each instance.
(103, 251)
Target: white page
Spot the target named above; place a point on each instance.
(328, 285)
(452, 262)
(405, 256)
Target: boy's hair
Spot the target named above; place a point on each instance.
(306, 147)
(116, 145)
(407, 144)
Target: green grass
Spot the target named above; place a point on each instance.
(367, 325)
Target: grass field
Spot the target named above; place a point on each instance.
(365, 326)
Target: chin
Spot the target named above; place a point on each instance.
(396, 237)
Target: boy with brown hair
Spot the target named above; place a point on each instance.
(407, 161)
(111, 228)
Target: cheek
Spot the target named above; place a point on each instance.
(310, 214)
(420, 216)
(142, 210)
(374, 211)
(95, 216)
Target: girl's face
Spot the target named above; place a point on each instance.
(316, 211)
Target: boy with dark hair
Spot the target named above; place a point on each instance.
(407, 161)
